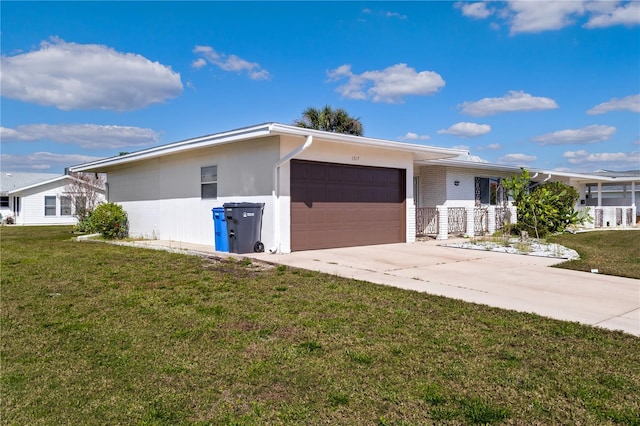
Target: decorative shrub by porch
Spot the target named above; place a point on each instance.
(110, 220)
(542, 208)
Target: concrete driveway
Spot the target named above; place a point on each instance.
(509, 281)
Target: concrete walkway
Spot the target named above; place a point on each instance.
(517, 282)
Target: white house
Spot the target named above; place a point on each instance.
(36, 199)
(320, 189)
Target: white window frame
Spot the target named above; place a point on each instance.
(50, 210)
(68, 206)
(208, 182)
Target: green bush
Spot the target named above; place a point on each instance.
(84, 223)
(110, 220)
(542, 208)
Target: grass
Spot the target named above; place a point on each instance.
(610, 252)
(94, 333)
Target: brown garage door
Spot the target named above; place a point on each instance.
(338, 205)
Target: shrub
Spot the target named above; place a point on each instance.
(84, 223)
(110, 220)
(542, 208)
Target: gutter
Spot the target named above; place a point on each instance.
(276, 191)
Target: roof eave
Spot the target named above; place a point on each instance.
(176, 147)
(421, 152)
(474, 165)
(35, 185)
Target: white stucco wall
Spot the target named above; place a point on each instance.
(162, 196)
(462, 195)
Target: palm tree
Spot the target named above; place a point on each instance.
(330, 120)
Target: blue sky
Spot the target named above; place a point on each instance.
(552, 85)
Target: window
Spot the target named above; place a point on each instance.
(209, 182)
(4, 201)
(49, 205)
(16, 206)
(65, 206)
(488, 191)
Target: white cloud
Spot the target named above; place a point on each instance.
(198, 63)
(537, 16)
(512, 101)
(534, 16)
(612, 158)
(477, 10)
(585, 135)
(385, 13)
(630, 103)
(389, 85)
(467, 130)
(517, 159)
(229, 63)
(91, 136)
(87, 76)
(395, 15)
(628, 14)
(42, 161)
(410, 136)
(491, 146)
(461, 147)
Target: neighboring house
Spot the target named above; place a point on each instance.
(37, 199)
(619, 190)
(609, 197)
(320, 189)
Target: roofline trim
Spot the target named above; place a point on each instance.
(35, 185)
(257, 131)
(175, 147)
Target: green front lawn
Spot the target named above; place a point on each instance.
(610, 252)
(94, 333)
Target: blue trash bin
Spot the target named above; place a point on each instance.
(220, 227)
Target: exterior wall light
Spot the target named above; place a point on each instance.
(456, 182)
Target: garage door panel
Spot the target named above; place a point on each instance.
(336, 205)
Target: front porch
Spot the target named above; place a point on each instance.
(442, 221)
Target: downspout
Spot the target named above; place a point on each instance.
(276, 191)
(539, 183)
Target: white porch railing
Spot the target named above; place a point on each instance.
(441, 221)
(611, 216)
